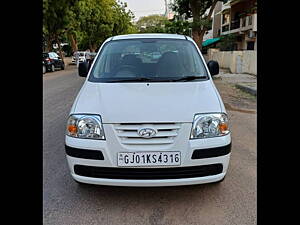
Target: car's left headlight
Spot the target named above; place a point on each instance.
(85, 126)
(209, 125)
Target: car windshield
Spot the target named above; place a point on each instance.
(143, 60)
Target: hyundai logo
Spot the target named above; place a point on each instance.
(147, 132)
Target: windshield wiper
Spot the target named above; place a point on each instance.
(139, 79)
(188, 78)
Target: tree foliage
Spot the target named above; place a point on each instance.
(227, 42)
(195, 9)
(151, 24)
(84, 23)
(178, 27)
(122, 20)
(160, 24)
(54, 20)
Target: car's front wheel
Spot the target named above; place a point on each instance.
(44, 69)
(62, 66)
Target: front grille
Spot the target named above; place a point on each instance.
(148, 173)
(128, 133)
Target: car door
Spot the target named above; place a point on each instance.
(52, 57)
(57, 60)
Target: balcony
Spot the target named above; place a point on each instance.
(234, 24)
(245, 23)
(225, 28)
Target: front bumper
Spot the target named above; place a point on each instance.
(149, 183)
(102, 155)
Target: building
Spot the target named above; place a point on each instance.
(239, 18)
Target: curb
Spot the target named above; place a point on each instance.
(247, 89)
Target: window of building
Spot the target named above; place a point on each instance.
(225, 18)
(250, 45)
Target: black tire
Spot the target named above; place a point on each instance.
(44, 69)
(52, 69)
(62, 66)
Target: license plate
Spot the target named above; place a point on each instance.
(149, 159)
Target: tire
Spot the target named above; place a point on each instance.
(62, 66)
(52, 69)
(44, 69)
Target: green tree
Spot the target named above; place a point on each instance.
(178, 27)
(228, 42)
(73, 32)
(151, 24)
(100, 19)
(196, 9)
(95, 20)
(84, 23)
(122, 20)
(54, 22)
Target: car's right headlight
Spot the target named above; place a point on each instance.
(209, 125)
(85, 126)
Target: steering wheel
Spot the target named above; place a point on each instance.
(132, 69)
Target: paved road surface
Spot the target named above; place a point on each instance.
(229, 203)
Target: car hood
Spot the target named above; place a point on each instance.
(147, 102)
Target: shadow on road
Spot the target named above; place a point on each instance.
(134, 193)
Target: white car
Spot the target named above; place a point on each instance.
(141, 123)
(81, 57)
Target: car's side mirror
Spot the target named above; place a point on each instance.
(213, 67)
(83, 69)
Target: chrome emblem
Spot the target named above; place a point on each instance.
(147, 132)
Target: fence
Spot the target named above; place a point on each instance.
(235, 61)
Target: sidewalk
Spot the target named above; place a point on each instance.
(245, 82)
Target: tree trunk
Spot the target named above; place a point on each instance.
(93, 47)
(198, 32)
(59, 49)
(198, 37)
(49, 44)
(73, 43)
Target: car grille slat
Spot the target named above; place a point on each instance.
(144, 141)
(128, 133)
(159, 126)
(160, 134)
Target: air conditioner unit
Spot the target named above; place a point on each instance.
(251, 34)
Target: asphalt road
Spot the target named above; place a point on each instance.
(65, 202)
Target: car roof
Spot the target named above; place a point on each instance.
(149, 35)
